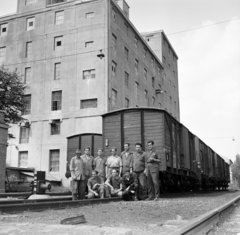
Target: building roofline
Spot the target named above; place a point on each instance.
(138, 34)
(165, 36)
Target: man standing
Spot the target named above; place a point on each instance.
(87, 164)
(78, 177)
(96, 187)
(114, 182)
(99, 163)
(153, 161)
(113, 162)
(126, 157)
(130, 186)
(139, 164)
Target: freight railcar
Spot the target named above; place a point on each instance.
(187, 163)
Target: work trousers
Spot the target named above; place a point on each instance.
(142, 186)
(128, 195)
(153, 180)
(101, 190)
(78, 189)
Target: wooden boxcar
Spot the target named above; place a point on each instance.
(174, 142)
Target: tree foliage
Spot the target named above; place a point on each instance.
(12, 101)
(236, 170)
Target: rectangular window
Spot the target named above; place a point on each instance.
(114, 42)
(56, 100)
(136, 91)
(54, 160)
(87, 74)
(145, 74)
(136, 65)
(51, 2)
(89, 15)
(2, 52)
(24, 135)
(153, 82)
(27, 105)
(114, 99)
(57, 71)
(114, 69)
(30, 23)
(126, 103)
(28, 49)
(27, 76)
(159, 70)
(144, 52)
(88, 44)
(28, 2)
(153, 100)
(23, 159)
(55, 127)
(59, 17)
(126, 53)
(114, 14)
(3, 29)
(136, 42)
(88, 104)
(152, 62)
(126, 79)
(58, 42)
(126, 28)
(146, 96)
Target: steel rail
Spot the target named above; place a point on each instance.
(204, 223)
(26, 194)
(41, 206)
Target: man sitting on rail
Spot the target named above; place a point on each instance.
(96, 187)
(130, 186)
(114, 183)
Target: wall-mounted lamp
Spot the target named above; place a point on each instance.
(100, 54)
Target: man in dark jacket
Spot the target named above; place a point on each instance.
(130, 186)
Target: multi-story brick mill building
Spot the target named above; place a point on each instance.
(79, 59)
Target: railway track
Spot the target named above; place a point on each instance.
(204, 223)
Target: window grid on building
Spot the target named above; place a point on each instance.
(135, 41)
(114, 98)
(126, 79)
(23, 159)
(27, 75)
(136, 91)
(27, 105)
(159, 70)
(55, 127)
(114, 42)
(114, 14)
(30, 23)
(59, 17)
(126, 53)
(144, 52)
(125, 28)
(89, 15)
(87, 104)
(145, 75)
(114, 69)
(88, 74)
(51, 2)
(58, 42)
(88, 44)
(153, 82)
(126, 103)
(28, 49)
(136, 65)
(152, 62)
(54, 160)
(3, 29)
(56, 100)
(24, 135)
(57, 71)
(146, 96)
(2, 52)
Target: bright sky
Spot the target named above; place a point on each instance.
(209, 62)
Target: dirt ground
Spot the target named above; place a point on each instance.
(137, 215)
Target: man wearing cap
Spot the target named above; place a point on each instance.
(126, 157)
(78, 177)
(130, 186)
(87, 164)
(153, 161)
(113, 162)
(139, 164)
(99, 163)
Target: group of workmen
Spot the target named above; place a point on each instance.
(133, 176)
